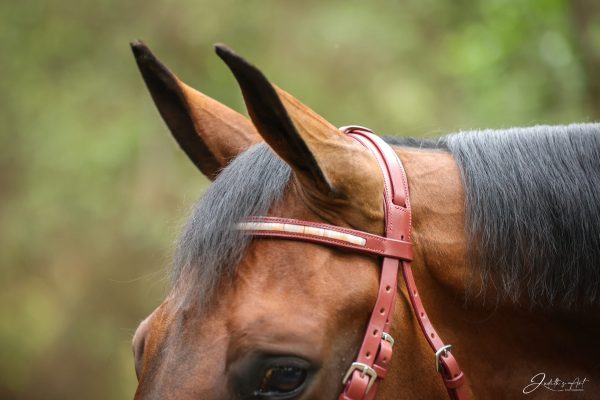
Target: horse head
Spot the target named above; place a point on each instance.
(493, 212)
(279, 319)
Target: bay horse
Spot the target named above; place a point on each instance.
(505, 253)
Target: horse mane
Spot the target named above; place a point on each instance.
(209, 248)
(532, 209)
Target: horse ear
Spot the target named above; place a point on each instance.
(210, 133)
(319, 154)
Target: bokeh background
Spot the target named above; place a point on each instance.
(93, 190)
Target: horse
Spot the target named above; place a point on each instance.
(505, 237)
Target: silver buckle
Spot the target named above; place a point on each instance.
(388, 338)
(443, 351)
(365, 370)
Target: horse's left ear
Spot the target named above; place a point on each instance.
(327, 162)
(210, 133)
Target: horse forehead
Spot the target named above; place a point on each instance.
(304, 282)
(285, 311)
(272, 264)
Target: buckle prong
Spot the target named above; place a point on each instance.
(364, 370)
(443, 351)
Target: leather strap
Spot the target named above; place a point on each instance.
(374, 356)
(375, 351)
(289, 228)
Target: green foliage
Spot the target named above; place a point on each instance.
(93, 189)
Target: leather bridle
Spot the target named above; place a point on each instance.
(374, 357)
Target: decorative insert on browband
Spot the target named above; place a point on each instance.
(301, 229)
(329, 235)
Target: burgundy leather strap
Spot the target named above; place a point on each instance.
(398, 225)
(375, 351)
(374, 356)
(373, 244)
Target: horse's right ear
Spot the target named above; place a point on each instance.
(210, 133)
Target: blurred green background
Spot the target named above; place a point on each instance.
(93, 190)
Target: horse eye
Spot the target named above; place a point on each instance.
(281, 380)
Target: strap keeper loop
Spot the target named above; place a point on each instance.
(455, 382)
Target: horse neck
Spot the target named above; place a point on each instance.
(438, 216)
(498, 332)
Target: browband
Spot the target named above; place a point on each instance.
(373, 359)
(329, 235)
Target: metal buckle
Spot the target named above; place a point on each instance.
(365, 370)
(388, 338)
(443, 351)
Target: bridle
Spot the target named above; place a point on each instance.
(374, 357)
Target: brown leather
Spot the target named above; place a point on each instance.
(397, 226)
(376, 350)
(376, 245)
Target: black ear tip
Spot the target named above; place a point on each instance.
(140, 50)
(225, 53)
(221, 49)
(137, 43)
(238, 65)
(150, 66)
(231, 58)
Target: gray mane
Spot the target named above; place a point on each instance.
(533, 210)
(209, 247)
(532, 206)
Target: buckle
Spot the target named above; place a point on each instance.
(443, 351)
(364, 370)
(388, 338)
